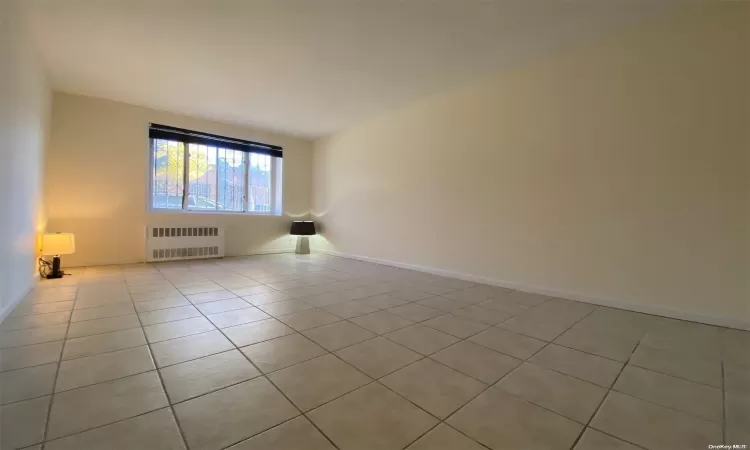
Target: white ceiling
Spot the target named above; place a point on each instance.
(305, 67)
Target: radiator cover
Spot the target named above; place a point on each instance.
(180, 243)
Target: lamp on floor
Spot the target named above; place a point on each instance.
(302, 229)
(55, 244)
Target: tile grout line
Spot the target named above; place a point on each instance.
(53, 395)
(609, 390)
(161, 380)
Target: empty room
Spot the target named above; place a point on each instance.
(374, 224)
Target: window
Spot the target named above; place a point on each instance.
(192, 171)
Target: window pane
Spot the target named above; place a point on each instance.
(202, 177)
(259, 183)
(231, 180)
(168, 174)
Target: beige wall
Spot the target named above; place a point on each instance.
(24, 113)
(96, 182)
(616, 174)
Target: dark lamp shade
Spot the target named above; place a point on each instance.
(303, 228)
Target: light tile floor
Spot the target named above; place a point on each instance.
(316, 352)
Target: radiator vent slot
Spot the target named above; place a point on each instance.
(178, 243)
(159, 232)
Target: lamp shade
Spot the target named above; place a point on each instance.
(303, 228)
(58, 244)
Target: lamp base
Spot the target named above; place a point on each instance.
(303, 245)
(56, 272)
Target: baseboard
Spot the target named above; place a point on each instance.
(619, 304)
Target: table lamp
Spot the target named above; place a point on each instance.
(302, 229)
(56, 244)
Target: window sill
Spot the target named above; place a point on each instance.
(211, 213)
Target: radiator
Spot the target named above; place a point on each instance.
(177, 243)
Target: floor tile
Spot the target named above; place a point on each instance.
(200, 376)
(567, 396)
(504, 305)
(210, 296)
(706, 371)
(20, 338)
(447, 305)
(371, 418)
(297, 434)
(736, 380)
(381, 322)
(30, 355)
(222, 418)
(102, 312)
(378, 357)
(526, 298)
(693, 398)
(411, 295)
(434, 387)
(180, 328)
(503, 341)
(102, 343)
(602, 344)
(652, 426)
(252, 290)
(23, 384)
(104, 300)
(584, 366)
(221, 306)
(737, 435)
(168, 315)
(237, 317)
(382, 301)
(421, 339)
(456, 326)
(101, 404)
(282, 352)
(311, 318)
(35, 321)
(23, 423)
(503, 421)
(81, 372)
(482, 315)
(443, 437)
(175, 351)
(338, 335)
(156, 429)
(286, 307)
(347, 310)
(269, 297)
(734, 345)
(99, 326)
(201, 288)
(26, 308)
(545, 331)
(164, 303)
(596, 440)
(477, 361)
(415, 312)
(312, 383)
(254, 332)
(148, 287)
(684, 338)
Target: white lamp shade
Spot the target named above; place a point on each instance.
(58, 244)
